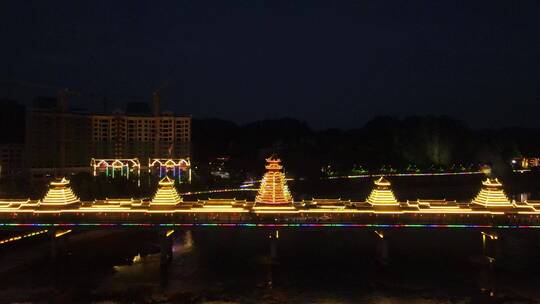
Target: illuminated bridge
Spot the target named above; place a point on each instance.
(273, 207)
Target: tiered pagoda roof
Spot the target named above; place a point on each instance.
(59, 196)
(272, 200)
(492, 195)
(382, 194)
(166, 195)
(274, 191)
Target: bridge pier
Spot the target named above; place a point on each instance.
(511, 250)
(274, 236)
(58, 243)
(166, 246)
(54, 245)
(381, 249)
(491, 247)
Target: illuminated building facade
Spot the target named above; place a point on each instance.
(177, 168)
(60, 142)
(143, 137)
(526, 162)
(112, 167)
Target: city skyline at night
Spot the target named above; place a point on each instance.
(270, 151)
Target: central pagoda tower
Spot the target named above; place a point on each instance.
(274, 191)
(166, 196)
(382, 194)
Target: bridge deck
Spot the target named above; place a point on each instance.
(325, 218)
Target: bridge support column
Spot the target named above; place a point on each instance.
(54, 245)
(274, 236)
(382, 252)
(491, 247)
(58, 243)
(166, 246)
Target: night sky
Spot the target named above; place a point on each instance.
(330, 63)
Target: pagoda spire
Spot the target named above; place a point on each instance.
(166, 195)
(274, 190)
(492, 195)
(382, 194)
(59, 196)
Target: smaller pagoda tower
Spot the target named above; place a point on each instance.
(491, 195)
(382, 194)
(274, 191)
(59, 196)
(166, 196)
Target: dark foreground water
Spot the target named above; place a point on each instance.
(313, 266)
(233, 265)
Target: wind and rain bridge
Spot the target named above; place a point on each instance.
(273, 206)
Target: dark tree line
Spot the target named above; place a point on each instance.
(421, 141)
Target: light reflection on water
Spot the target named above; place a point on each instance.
(191, 277)
(144, 269)
(312, 266)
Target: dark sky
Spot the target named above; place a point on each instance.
(331, 63)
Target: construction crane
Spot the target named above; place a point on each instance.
(61, 93)
(156, 98)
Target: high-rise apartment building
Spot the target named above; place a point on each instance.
(56, 139)
(12, 116)
(123, 136)
(59, 141)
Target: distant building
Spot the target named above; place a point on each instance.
(526, 162)
(59, 142)
(144, 137)
(218, 167)
(11, 160)
(55, 138)
(12, 121)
